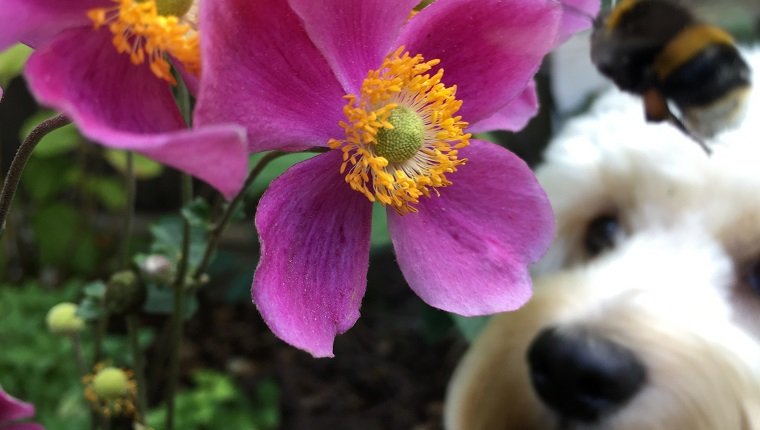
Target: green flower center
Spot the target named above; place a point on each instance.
(176, 8)
(405, 138)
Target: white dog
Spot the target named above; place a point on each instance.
(646, 313)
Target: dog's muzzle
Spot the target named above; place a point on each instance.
(581, 376)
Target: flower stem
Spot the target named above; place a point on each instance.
(19, 162)
(77, 346)
(224, 220)
(178, 316)
(139, 368)
(129, 214)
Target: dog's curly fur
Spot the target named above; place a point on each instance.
(675, 289)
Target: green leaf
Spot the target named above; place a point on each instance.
(274, 169)
(160, 300)
(108, 191)
(198, 213)
(61, 241)
(144, 168)
(42, 178)
(470, 326)
(57, 142)
(12, 62)
(91, 306)
(167, 235)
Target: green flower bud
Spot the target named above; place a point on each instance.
(62, 319)
(124, 292)
(111, 383)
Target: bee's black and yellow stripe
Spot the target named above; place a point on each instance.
(702, 57)
(658, 44)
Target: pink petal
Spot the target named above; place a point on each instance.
(12, 409)
(490, 50)
(35, 21)
(468, 250)
(353, 35)
(514, 116)
(125, 106)
(577, 15)
(261, 70)
(314, 232)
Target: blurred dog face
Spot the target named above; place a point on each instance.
(646, 313)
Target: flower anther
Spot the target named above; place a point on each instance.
(402, 132)
(149, 30)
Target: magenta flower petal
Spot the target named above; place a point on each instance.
(314, 232)
(125, 106)
(261, 70)
(12, 409)
(577, 15)
(490, 50)
(353, 35)
(514, 116)
(35, 21)
(467, 251)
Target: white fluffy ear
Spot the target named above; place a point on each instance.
(751, 415)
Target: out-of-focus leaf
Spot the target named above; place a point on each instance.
(12, 62)
(160, 300)
(108, 191)
(216, 402)
(91, 306)
(144, 168)
(60, 242)
(198, 213)
(167, 234)
(56, 142)
(470, 327)
(274, 169)
(42, 178)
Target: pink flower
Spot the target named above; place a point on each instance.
(12, 410)
(466, 216)
(123, 99)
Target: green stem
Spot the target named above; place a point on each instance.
(221, 225)
(139, 367)
(129, 215)
(100, 334)
(19, 162)
(81, 362)
(178, 315)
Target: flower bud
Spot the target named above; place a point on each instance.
(110, 383)
(157, 268)
(124, 292)
(62, 319)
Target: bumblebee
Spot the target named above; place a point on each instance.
(658, 49)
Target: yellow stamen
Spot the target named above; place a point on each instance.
(402, 81)
(142, 32)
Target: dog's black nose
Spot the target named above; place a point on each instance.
(582, 376)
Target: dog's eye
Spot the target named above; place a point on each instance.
(602, 234)
(753, 277)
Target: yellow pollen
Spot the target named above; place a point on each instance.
(399, 94)
(146, 35)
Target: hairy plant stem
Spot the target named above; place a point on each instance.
(129, 213)
(178, 315)
(224, 220)
(133, 330)
(10, 184)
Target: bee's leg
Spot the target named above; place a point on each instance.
(680, 125)
(656, 109)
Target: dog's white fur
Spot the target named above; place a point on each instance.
(673, 290)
